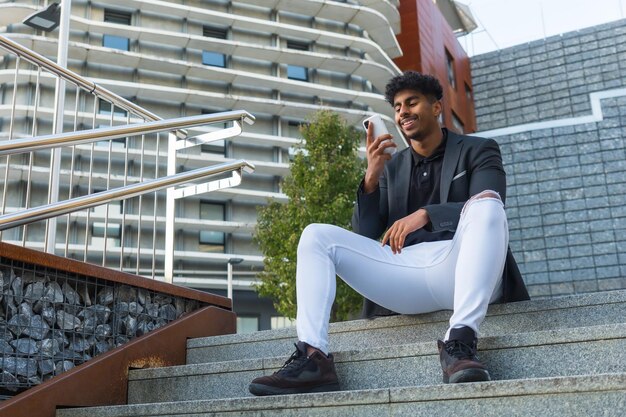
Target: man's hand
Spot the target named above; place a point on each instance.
(376, 158)
(398, 231)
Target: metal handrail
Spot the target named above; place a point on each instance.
(23, 217)
(16, 146)
(75, 78)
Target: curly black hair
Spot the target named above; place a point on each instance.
(413, 80)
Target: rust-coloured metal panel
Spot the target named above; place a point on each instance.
(424, 39)
(104, 379)
(34, 257)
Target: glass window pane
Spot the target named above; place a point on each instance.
(214, 32)
(451, 72)
(104, 107)
(113, 229)
(217, 147)
(213, 59)
(296, 72)
(208, 237)
(117, 16)
(247, 324)
(211, 211)
(114, 207)
(116, 42)
(457, 123)
(210, 240)
(278, 322)
(300, 46)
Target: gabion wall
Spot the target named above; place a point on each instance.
(51, 320)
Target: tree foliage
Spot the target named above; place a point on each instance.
(325, 174)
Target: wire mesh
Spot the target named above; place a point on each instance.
(52, 320)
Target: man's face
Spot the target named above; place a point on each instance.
(416, 115)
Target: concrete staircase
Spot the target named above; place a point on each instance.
(557, 357)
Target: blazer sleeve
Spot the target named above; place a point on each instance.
(371, 211)
(485, 172)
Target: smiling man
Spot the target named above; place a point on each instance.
(438, 209)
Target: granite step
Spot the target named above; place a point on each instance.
(534, 315)
(576, 396)
(549, 353)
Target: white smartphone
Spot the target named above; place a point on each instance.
(379, 129)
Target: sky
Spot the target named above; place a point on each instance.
(504, 23)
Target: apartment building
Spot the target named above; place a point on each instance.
(281, 60)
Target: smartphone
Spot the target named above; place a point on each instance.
(379, 129)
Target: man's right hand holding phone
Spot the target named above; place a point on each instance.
(376, 157)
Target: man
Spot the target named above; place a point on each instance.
(439, 207)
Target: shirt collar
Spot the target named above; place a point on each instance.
(439, 151)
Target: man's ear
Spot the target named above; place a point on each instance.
(437, 108)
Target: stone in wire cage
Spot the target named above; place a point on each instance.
(52, 320)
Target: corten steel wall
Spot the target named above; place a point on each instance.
(424, 39)
(566, 173)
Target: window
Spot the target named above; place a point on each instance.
(457, 123)
(450, 66)
(247, 324)
(117, 16)
(219, 146)
(470, 99)
(214, 59)
(297, 72)
(210, 240)
(293, 129)
(468, 94)
(104, 107)
(279, 322)
(113, 229)
(114, 41)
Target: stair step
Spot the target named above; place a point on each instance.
(577, 396)
(560, 352)
(534, 315)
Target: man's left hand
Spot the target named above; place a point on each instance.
(398, 231)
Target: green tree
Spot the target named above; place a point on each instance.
(325, 174)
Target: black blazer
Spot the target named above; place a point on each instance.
(470, 165)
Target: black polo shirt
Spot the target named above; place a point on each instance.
(424, 189)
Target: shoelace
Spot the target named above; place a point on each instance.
(295, 361)
(460, 350)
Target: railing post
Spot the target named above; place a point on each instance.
(170, 211)
(59, 110)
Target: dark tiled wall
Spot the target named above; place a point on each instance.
(566, 185)
(548, 79)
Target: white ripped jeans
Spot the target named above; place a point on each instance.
(463, 274)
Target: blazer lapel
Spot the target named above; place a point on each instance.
(450, 162)
(402, 181)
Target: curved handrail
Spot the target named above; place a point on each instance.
(16, 146)
(23, 217)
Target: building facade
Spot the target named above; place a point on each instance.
(429, 45)
(281, 60)
(557, 107)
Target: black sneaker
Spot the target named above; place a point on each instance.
(300, 374)
(459, 362)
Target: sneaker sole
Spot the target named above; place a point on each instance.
(262, 390)
(467, 375)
